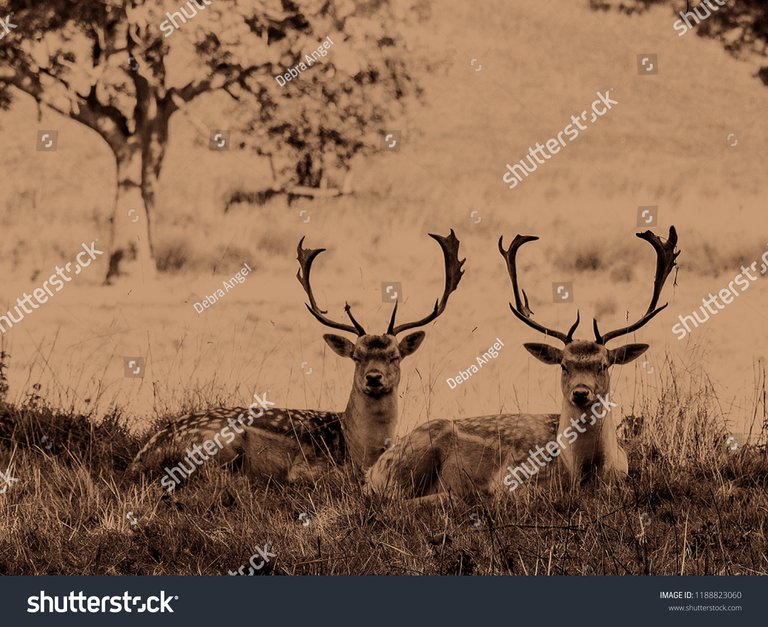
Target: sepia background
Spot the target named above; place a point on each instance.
(496, 78)
(403, 129)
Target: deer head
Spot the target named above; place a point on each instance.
(377, 357)
(585, 363)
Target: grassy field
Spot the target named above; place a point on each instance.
(695, 505)
(664, 144)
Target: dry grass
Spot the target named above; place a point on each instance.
(692, 506)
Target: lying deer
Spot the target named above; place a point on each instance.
(481, 454)
(289, 444)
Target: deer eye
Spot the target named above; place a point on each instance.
(394, 360)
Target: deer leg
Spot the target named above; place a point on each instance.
(267, 454)
(306, 467)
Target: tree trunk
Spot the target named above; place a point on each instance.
(139, 159)
(131, 255)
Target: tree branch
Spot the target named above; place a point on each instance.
(105, 120)
(231, 75)
(30, 84)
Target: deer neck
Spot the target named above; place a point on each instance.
(369, 425)
(596, 449)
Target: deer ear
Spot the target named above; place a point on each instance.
(625, 354)
(339, 345)
(410, 343)
(546, 353)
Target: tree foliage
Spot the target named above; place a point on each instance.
(117, 67)
(741, 25)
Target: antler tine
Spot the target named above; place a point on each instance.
(665, 262)
(305, 257)
(573, 328)
(453, 273)
(521, 308)
(358, 327)
(391, 327)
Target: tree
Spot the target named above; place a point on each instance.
(740, 26)
(124, 67)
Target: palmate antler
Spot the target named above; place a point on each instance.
(453, 274)
(665, 262)
(521, 308)
(306, 256)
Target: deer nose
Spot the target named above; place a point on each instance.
(373, 379)
(580, 396)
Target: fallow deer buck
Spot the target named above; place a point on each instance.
(475, 455)
(290, 444)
